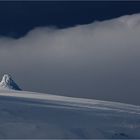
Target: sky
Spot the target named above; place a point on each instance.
(19, 17)
(80, 49)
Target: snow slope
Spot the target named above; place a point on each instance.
(36, 115)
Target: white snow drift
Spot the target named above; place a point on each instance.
(36, 115)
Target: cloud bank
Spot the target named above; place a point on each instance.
(100, 60)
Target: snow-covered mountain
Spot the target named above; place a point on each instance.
(8, 83)
(36, 115)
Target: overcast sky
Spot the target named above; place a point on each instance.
(99, 60)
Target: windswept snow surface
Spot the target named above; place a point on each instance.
(36, 115)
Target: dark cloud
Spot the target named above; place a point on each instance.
(98, 60)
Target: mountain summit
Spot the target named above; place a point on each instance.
(8, 83)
